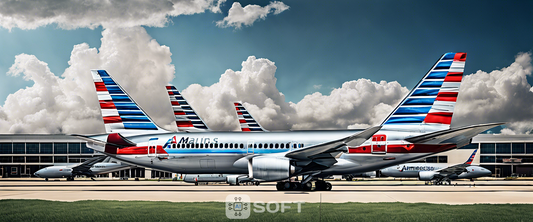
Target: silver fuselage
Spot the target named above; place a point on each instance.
(412, 170)
(66, 171)
(211, 160)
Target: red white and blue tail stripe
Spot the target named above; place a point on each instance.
(246, 120)
(431, 103)
(119, 111)
(471, 158)
(186, 117)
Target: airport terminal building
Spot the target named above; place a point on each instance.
(21, 155)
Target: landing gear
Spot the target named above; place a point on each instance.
(45, 179)
(92, 178)
(321, 185)
(70, 178)
(308, 186)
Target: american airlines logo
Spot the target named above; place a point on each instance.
(190, 140)
(417, 168)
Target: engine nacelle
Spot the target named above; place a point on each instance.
(232, 179)
(271, 168)
(426, 175)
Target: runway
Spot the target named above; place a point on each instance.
(494, 192)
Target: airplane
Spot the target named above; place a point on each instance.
(90, 168)
(186, 118)
(418, 127)
(437, 173)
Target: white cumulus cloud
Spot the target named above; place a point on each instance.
(68, 104)
(357, 103)
(72, 14)
(239, 16)
(502, 95)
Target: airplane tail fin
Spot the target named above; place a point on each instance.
(119, 111)
(429, 106)
(246, 120)
(471, 158)
(186, 117)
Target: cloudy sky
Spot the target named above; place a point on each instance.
(295, 64)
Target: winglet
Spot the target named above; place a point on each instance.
(471, 158)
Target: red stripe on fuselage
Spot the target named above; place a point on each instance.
(404, 148)
(140, 150)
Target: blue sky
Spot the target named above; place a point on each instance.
(313, 43)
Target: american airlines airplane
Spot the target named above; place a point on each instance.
(90, 168)
(437, 173)
(418, 127)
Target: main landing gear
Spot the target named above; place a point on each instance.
(320, 185)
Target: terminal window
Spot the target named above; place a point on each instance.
(46, 148)
(519, 148)
(503, 148)
(488, 148)
(6, 148)
(74, 148)
(60, 148)
(19, 148)
(32, 148)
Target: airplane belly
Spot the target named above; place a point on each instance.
(187, 164)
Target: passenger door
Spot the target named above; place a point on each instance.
(379, 144)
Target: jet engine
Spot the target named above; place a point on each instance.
(426, 175)
(232, 179)
(271, 168)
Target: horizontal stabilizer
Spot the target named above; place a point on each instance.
(458, 136)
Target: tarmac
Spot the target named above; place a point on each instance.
(464, 192)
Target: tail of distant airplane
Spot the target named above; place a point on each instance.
(247, 122)
(429, 106)
(186, 117)
(119, 111)
(471, 158)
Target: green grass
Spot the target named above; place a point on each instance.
(100, 211)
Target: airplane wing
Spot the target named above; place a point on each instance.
(460, 136)
(455, 169)
(324, 154)
(85, 166)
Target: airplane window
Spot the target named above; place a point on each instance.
(255, 145)
(236, 146)
(242, 145)
(382, 138)
(302, 145)
(282, 145)
(276, 146)
(266, 145)
(216, 145)
(288, 145)
(197, 145)
(201, 145)
(260, 146)
(211, 145)
(188, 145)
(225, 145)
(271, 146)
(294, 145)
(231, 145)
